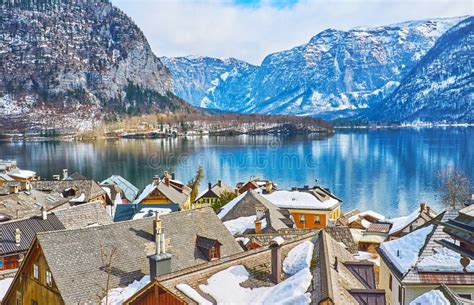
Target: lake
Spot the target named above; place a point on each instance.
(387, 170)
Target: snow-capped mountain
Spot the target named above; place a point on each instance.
(195, 76)
(441, 86)
(335, 72)
(74, 63)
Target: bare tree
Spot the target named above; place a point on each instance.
(107, 255)
(195, 182)
(455, 188)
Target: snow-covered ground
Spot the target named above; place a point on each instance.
(404, 251)
(433, 297)
(118, 295)
(239, 225)
(298, 258)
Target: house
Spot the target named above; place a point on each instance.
(283, 272)
(166, 192)
(361, 220)
(17, 235)
(18, 200)
(441, 295)
(130, 191)
(11, 169)
(417, 263)
(5, 178)
(251, 213)
(371, 238)
(401, 226)
(212, 194)
(342, 279)
(266, 186)
(75, 191)
(55, 271)
(310, 209)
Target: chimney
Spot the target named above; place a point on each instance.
(165, 174)
(65, 174)
(336, 264)
(156, 180)
(44, 213)
(275, 247)
(209, 186)
(167, 180)
(17, 214)
(160, 262)
(13, 188)
(219, 183)
(422, 207)
(17, 237)
(258, 226)
(173, 176)
(268, 186)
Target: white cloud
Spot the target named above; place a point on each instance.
(223, 29)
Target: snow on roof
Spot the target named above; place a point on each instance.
(278, 240)
(298, 258)
(129, 189)
(230, 205)
(81, 198)
(299, 200)
(148, 189)
(367, 256)
(225, 288)
(372, 214)
(443, 260)
(401, 222)
(403, 252)
(192, 294)
(241, 224)
(432, 297)
(150, 212)
(22, 173)
(4, 284)
(118, 295)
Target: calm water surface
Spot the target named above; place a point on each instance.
(389, 171)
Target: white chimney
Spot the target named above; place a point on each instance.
(65, 174)
(160, 262)
(17, 237)
(44, 213)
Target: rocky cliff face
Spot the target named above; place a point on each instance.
(441, 86)
(196, 76)
(79, 61)
(336, 72)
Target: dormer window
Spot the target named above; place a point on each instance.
(210, 248)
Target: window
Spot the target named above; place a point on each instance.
(390, 281)
(302, 219)
(49, 278)
(317, 219)
(213, 253)
(35, 271)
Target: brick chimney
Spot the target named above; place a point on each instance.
(258, 226)
(160, 262)
(156, 180)
(275, 248)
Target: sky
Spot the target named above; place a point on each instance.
(251, 29)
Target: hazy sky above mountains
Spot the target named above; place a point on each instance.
(251, 29)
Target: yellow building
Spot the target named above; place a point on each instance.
(166, 192)
(212, 194)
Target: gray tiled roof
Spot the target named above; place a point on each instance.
(74, 255)
(83, 215)
(28, 203)
(89, 188)
(28, 227)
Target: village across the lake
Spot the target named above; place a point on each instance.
(68, 239)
